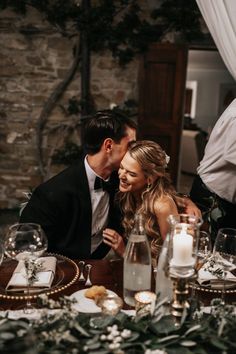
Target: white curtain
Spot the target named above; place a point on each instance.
(220, 17)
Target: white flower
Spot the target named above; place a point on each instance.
(113, 346)
(126, 333)
(117, 339)
(113, 330)
(115, 333)
(110, 337)
(155, 351)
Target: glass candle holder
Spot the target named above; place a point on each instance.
(110, 304)
(144, 300)
(182, 251)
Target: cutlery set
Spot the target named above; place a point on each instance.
(87, 268)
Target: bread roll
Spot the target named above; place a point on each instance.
(95, 292)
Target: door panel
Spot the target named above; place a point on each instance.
(162, 77)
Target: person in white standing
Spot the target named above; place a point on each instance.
(216, 178)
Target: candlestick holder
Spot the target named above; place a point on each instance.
(182, 256)
(181, 294)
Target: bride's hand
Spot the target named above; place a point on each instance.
(114, 240)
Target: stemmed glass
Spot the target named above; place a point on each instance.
(25, 242)
(225, 253)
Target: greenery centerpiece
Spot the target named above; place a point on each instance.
(67, 331)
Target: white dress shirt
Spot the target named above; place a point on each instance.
(218, 166)
(100, 207)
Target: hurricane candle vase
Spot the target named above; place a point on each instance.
(182, 255)
(183, 245)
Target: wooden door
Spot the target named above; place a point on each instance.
(162, 78)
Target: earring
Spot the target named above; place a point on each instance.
(148, 187)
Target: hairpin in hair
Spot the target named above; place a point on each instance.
(167, 158)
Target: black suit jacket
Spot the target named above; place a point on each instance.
(62, 206)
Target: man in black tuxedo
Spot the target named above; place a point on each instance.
(74, 206)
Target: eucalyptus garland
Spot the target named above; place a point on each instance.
(67, 331)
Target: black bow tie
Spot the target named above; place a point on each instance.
(101, 184)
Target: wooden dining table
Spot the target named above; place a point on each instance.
(108, 273)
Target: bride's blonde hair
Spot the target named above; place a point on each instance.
(153, 162)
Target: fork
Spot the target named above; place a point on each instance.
(81, 268)
(88, 281)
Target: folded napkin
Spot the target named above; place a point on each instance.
(209, 278)
(18, 281)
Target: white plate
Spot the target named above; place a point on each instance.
(84, 304)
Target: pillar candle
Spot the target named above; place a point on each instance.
(182, 248)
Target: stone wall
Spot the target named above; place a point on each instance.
(31, 66)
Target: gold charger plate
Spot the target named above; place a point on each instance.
(67, 272)
(208, 289)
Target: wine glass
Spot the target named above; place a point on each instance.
(25, 242)
(204, 248)
(225, 253)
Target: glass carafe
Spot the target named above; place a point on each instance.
(137, 263)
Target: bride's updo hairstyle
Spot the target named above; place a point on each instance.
(150, 156)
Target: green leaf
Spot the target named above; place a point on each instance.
(102, 321)
(93, 340)
(165, 339)
(166, 325)
(192, 329)
(93, 345)
(188, 343)
(7, 335)
(178, 350)
(217, 343)
(133, 337)
(100, 351)
(81, 330)
(133, 345)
